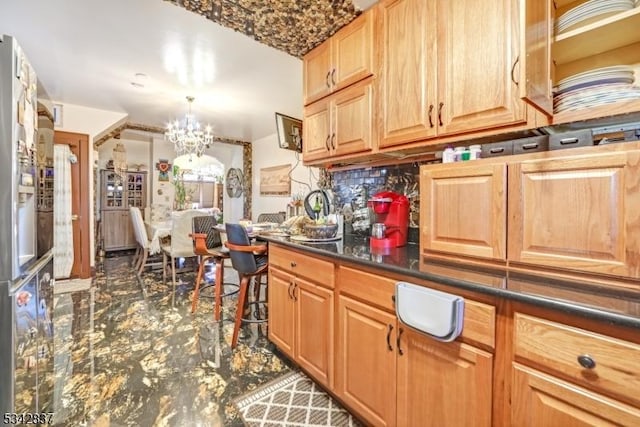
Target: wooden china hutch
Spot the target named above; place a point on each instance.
(117, 195)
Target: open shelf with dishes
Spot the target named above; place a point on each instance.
(596, 59)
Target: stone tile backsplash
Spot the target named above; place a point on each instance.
(355, 187)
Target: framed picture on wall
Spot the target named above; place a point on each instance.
(275, 181)
(289, 132)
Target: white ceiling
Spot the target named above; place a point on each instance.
(88, 52)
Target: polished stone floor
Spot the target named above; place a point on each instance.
(126, 355)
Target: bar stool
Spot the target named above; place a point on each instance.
(207, 244)
(251, 262)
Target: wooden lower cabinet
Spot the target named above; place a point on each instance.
(117, 230)
(314, 330)
(543, 400)
(301, 323)
(513, 365)
(366, 361)
(442, 384)
(281, 311)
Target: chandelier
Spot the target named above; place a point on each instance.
(120, 160)
(189, 139)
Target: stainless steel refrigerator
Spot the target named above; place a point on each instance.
(26, 270)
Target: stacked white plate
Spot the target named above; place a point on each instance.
(590, 10)
(595, 87)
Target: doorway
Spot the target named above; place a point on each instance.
(79, 145)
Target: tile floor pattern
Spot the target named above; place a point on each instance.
(293, 400)
(125, 356)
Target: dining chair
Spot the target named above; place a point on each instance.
(277, 217)
(181, 243)
(207, 244)
(251, 262)
(141, 259)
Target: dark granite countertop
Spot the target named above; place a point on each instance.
(615, 306)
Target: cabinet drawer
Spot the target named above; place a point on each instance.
(369, 287)
(557, 348)
(318, 270)
(479, 318)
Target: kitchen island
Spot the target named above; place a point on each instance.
(530, 346)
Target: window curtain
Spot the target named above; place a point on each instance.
(62, 227)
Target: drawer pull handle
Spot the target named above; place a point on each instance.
(568, 141)
(389, 338)
(496, 150)
(327, 79)
(440, 113)
(293, 264)
(586, 361)
(531, 146)
(400, 352)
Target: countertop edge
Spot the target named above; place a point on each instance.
(594, 313)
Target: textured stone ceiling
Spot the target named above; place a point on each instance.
(292, 26)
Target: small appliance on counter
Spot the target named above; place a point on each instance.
(391, 213)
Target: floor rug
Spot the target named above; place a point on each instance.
(292, 400)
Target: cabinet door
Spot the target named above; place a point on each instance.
(542, 400)
(129, 233)
(407, 83)
(352, 119)
(353, 51)
(463, 209)
(117, 230)
(317, 72)
(535, 54)
(366, 361)
(477, 50)
(314, 330)
(281, 311)
(316, 131)
(113, 191)
(577, 212)
(442, 384)
(136, 190)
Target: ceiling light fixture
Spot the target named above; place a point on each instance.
(189, 139)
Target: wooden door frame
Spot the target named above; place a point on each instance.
(82, 141)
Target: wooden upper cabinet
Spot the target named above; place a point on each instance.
(463, 209)
(534, 58)
(316, 130)
(406, 39)
(477, 50)
(577, 212)
(352, 119)
(606, 40)
(343, 59)
(340, 124)
(446, 68)
(317, 72)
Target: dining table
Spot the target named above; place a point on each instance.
(157, 230)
